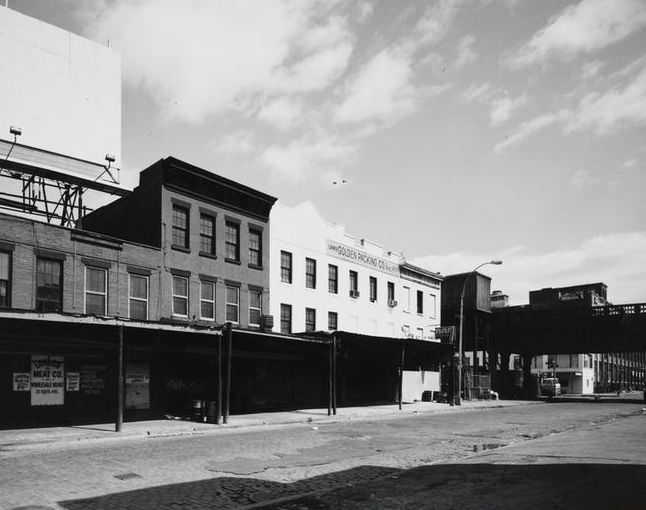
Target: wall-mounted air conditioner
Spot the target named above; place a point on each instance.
(392, 303)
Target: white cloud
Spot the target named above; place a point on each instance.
(584, 28)
(617, 107)
(629, 164)
(364, 11)
(502, 108)
(309, 157)
(591, 69)
(437, 21)
(528, 128)
(582, 179)
(199, 59)
(466, 55)
(616, 259)
(236, 142)
(476, 92)
(381, 90)
(283, 113)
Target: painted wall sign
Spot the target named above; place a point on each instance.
(92, 379)
(360, 257)
(47, 381)
(73, 380)
(21, 381)
(137, 386)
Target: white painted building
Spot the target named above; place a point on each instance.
(323, 279)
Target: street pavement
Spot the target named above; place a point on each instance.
(520, 456)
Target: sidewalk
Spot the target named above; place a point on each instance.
(19, 439)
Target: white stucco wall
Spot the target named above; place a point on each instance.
(64, 91)
(303, 232)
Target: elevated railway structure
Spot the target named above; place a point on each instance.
(532, 331)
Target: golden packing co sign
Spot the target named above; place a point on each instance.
(360, 257)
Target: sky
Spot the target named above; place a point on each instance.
(453, 131)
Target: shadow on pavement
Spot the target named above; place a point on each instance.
(464, 486)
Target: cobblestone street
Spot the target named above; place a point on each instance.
(239, 468)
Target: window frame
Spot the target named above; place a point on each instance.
(186, 229)
(210, 238)
(9, 255)
(353, 281)
(210, 302)
(228, 303)
(284, 307)
(310, 326)
(390, 289)
(257, 252)
(95, 293)
(180, 296)
(286, 270)
(406, 303)
(333, 279)
(131, 298)
(373, 289)
(420, 302)
(228, 224)
(259, 308)
(310, 277)
(433, 305)
(60, 264)
(332, 315)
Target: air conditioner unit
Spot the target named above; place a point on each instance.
(266, 322)
(354, 293)
(392, 303)
(373, 299)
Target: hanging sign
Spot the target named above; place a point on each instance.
(47, 381)
(73, 380)
(137, 386)
(21, 381)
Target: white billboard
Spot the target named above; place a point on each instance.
(62, 90)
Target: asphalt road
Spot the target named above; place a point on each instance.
(588, 455)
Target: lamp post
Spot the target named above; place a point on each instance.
(464, 286)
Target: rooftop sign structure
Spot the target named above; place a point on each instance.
(361, 257)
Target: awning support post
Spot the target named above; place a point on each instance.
(120, 387)
(227, 387)
(334, 375)
(218, 410)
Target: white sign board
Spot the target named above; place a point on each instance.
(138, 386)
(73, 380)
(361, 257)
(47, 381)
(21, 381)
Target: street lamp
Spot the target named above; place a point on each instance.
(464, 286)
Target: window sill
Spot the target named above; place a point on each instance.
(233, 261)
(283, 281)
(254, 266)
(208, 255)
(176, 247)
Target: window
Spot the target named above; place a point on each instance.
(332, 321)
(332, 279)
(96, 290)
(391, 291)
(432, 306)
(310, 273)
(207, 234)
(232, 304)
(354, 283)
(49, 285)
(285, 266)
(138, 297)
(285, 318)
(5, 279)
(180, 296)
(232, 241)
(255, 247)
(207, 301)
(420, 302)
(310, 319)
(420, 333)
(406, 299)
(180, 226)
(373, 289)
(255, 307)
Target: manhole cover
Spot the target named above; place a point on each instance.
(127, 476)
